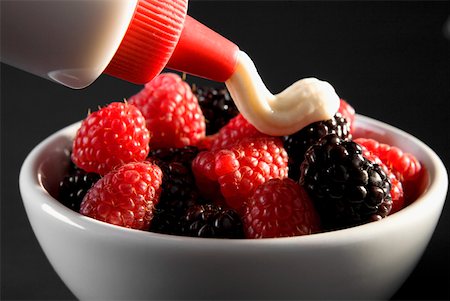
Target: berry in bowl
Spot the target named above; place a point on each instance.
(174, 195)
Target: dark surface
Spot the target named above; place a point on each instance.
(390, 60)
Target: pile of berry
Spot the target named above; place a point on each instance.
(179, 160)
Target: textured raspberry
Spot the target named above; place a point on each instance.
(171, 110)
(126, 196)
(112, 136)
(280, 208)
(348, 112)
(404, 165)
(237, 171)
(235, 130)
(398, 199)
(205, 177)
(207, 142)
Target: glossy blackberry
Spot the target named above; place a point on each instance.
(346, 188)
(217, 107)
(297, 143)
(212, 221)
(183, 155)
(179, 191)
(74, 186)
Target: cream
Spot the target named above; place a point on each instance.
(307, 100)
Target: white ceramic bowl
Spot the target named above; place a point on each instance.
(101, 261)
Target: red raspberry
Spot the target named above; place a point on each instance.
(398, 200)
(348, 112)
(207, 142)
(171, 110)
(205, 176)
(415, 187)
(235, 130)
(126, 196)
(280, 208)
(110, 137)
(238, 170)
(404, 165)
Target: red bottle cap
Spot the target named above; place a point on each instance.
(161, 34)
(150, 39)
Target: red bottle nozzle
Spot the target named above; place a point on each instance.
(161, 34)
(203, 52)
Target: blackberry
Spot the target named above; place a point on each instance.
(74, 186)
(179, 191)
(346, 188)
(297, 143)
(217, 107)
(213, 221)
(183, 155)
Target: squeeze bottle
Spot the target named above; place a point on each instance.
(73, 42)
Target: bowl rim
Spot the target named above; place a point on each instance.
(32, 190)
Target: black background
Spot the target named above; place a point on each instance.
(390, 60)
